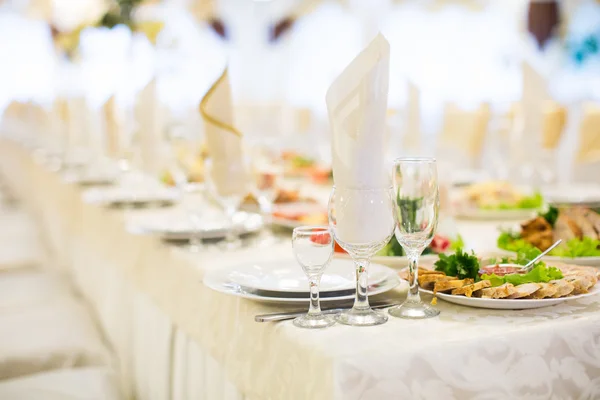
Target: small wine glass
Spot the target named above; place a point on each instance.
(313, 248)
(228, 185)
(362, 222)
(417, 203)
(266, 166)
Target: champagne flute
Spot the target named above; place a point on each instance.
(362, 222)
(313, 248)
(417, 203)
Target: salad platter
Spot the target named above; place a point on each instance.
(496, 201)
(462, 278)
(578, 227)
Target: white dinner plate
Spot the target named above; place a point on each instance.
(573, 194)
(509, 304)
(127, 196)
(287, 276)
(89, 178)
(394, 262)
(176, 227)
(221, 281)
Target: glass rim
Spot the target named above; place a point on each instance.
(314, 229)
(414, 160)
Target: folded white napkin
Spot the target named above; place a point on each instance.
(75, 123)
(357, 106)
(223, 140)
(412, 118)
(589, 135)
(150, 120)
(113, 127)
(534, 96)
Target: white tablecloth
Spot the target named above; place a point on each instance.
(178, 339)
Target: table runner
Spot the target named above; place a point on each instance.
(465, 353)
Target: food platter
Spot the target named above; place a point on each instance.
(508, 304)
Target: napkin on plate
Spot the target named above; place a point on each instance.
(113, 127)
(223, 140)
(150, 119)
(357, 107)
(589, 135)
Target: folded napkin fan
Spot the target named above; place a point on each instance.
(223, 140)
(589, 135)
(465, 129)
(357, 107)
(553, 124)
(150, 119)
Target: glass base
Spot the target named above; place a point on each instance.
(413, 310)
(362, 317)
(314, 321)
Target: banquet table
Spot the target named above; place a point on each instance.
(178, 339)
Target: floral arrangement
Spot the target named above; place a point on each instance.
(121, 12)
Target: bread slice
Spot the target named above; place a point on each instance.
(446, 286)
(524, 290)
(499, 292)
(467, 290)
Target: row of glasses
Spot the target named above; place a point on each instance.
(362, 221)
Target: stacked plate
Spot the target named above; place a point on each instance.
(285, 282)
(121, 196)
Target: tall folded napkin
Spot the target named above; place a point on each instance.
(534, 97)
(357, 106)
(75, 115)
(150, 124)
(412, 133)
(465, 128)
(553, 124)
(223, 140)
(589, 135)
(113, 127)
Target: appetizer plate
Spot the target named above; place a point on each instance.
(179, 227)
(286, 276)
(495, 215)
(509, 304)
(583, 261)
(223, 280)
(135, 197)
(573, 195)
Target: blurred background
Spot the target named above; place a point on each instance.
(457, 85)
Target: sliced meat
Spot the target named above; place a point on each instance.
(538, 224)
(428, 281)
(446, 286)
(563, 288)
(524, 290)
(566, 229)
(499, 292)
(581, 284)
(578, 215)
(545, 290)
(594, 219)
(467, 290)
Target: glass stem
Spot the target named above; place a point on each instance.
(413, 269)
(315, 306)
(362, 298)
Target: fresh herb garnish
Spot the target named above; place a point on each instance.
(460, 264)
(551, 215)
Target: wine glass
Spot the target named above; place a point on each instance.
(227, 183)
(417, 203)
(313, 248)
(362, 222)
(184, 159)
(266, 166)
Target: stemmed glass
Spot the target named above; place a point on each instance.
(362, 221)
(417, 203)
(184, 156)
(227, 183)
(266, 166)
(313, 248)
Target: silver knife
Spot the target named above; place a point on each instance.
(284, 316)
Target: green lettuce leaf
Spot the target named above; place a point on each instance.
(460, 264)
(540, 273)
(586, 247)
